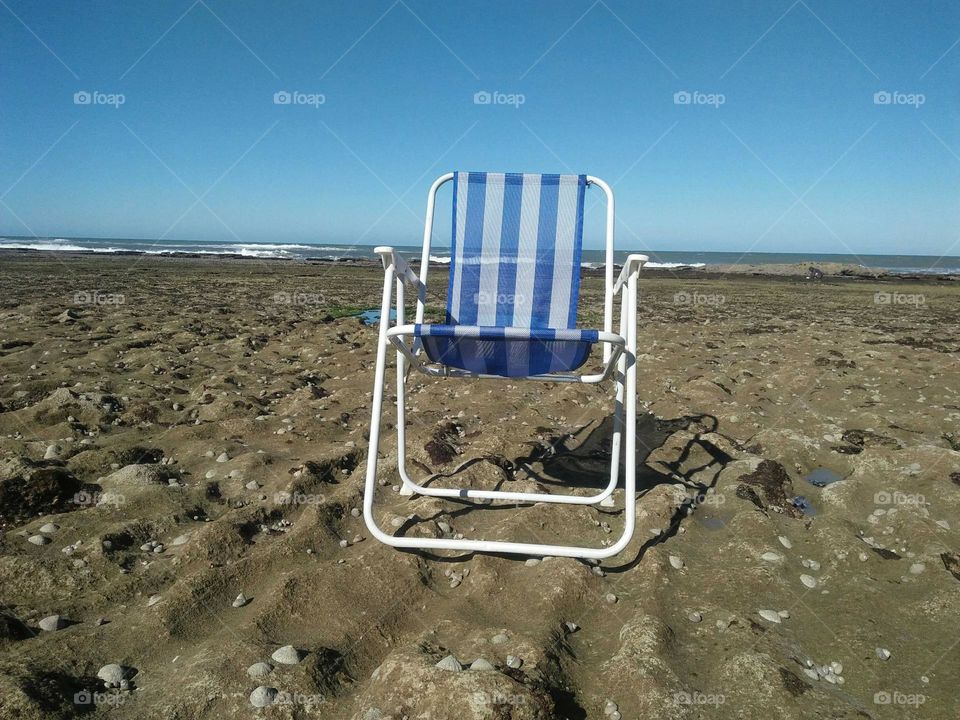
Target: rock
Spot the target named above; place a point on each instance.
(449, 663)
(499, 639)
(836, 667)
(809, 581)
(52, 623)
(481, 665)
(222, 457)
(180, 540)
(770, 616)
(610, 707)
(154, 599)
(111, 674)
(771, 557)
(531, 562)
(695, 617)
(259, 670)
(571, 626)
(676, 562)
(785, 541)
(139, 475)
(514, 662)
(610, 598)
(287, 655)
(883, 653)
(240, 601)
(38, 540)
(252, 485)
(263, 696)
(917, 568)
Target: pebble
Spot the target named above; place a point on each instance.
(810, 563)
(836, 667)
(263, 696)
(531, 562)
(154, 599)
(611, 598)
(695, 617)
(784, 614)
(917, 568)
(240, 601)
(808, 580)
(53, 452)
(259, 670)
(252, 485)
(180, 540)
(49, 528)
(222, 457)
(481, 665)
(38, 539)
(771, 557)
(676, 562)
(610, 707)
(449, 663)
(944, 524)
(883, 653)
(111, 674)
(287, 655)
(51, 623)
(444, 527)
(571, 626)
(499, 639)
(785, 541)
(770, 615)
(514, 662)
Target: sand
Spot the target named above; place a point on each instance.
(178, 432)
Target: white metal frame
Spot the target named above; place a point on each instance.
(619, 361)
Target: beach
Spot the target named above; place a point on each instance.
(177, 432)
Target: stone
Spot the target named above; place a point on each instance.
(770, 616)
(51, 623)
(259, 670)
(771, 557)
(222, 457)
(481, 665)
(38, 540)
(809, 581)
(263, 696)
(883, 653)
(785, 541)
(449, 663)
(499, 639)
(514, 662)
(287, 655)
(240, 601)
(111, 674)
(49, 528)
(676, 562)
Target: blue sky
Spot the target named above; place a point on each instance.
(782, 147)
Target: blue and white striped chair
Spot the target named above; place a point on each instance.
(511, 313)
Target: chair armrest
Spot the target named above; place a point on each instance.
(630, 267)
(400, 267)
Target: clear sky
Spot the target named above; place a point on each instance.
(783, 145)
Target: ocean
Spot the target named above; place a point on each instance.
(907, 264)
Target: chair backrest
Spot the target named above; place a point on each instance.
(516, 245)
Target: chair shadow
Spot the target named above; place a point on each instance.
(587, 465)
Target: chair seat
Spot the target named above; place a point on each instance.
(506, 351)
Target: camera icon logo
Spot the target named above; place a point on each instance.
(282, 97)
(682, 97)
(882, 698)
(84, 697)
(882, 97)
(82, 98)
(482, 97)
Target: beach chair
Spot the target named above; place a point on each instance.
(511, 314)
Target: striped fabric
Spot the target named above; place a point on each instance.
(514, 276)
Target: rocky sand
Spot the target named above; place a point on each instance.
(182, 448)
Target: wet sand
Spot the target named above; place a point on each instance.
(187, 430)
